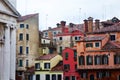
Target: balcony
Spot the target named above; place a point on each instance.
(99, 67)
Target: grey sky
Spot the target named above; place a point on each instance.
(53, 11)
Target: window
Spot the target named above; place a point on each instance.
(73, 78)
(37, 65)
(75, 38)
(27, 63)
(37, 77)
(97, 60)
(76, 67)
(118, 77)
(75, 55)
(89, 45)
(104, 59)
(47, 77)
(46, 34)
(27, 50)
(60, 50)
(89, 60)
(66, 67)
(81, 60)
(53, 77)
(21, 49)
(46, 65)
(99, 75)
(54, 33)
(84, 75)
(27, 37)
(66, 56)
(20, 63)
(60, 38)
(59, 77)
(67, 78)
(30, 77)
(116, 59)
(20, 36)
(20, 73)
(97, 44)
(27, 26)
(112, 37)
(21, 25)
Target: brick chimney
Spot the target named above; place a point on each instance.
(63, 23)
(64, 29)
(58, 25)
(90, 24)
(97, 21)
(85, 25)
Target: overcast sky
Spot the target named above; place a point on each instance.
(52, 12)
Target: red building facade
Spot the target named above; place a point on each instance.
(70, 64)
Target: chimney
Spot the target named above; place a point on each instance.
(49, 28)
(86, 25)
(63, 23)
(71, 24)
(90, 24)
(58, 25)
(97, 21)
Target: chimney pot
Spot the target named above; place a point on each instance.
(97, 21)
(63, 23)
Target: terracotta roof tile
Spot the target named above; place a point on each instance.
(46, 57)
(58, 67)
(111, 45)
(113, 28)
(23, 18)
(94, 38)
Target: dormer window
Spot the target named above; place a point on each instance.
(112, 37)
(89, 45)
(97, 44)
(47, 65)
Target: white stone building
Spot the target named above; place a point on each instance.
(8, 24)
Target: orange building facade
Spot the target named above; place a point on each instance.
(98, 54)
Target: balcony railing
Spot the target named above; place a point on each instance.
(99, 67)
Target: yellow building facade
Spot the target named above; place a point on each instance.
(49, 67)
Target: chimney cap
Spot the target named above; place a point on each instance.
(97, 20)
(90, 18)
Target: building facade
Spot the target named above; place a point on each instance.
(27, 42)
(70, 64)
(48, 67)
(8, 25)
(98, 53)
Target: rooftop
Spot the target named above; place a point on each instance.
(47, 57)
(58, 67)
(23, 18)
(94, 38)
(113, 28)
(111, 45)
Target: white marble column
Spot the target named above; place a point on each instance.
(12, 52)
(6, 60)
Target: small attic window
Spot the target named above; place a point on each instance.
(112, 37)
